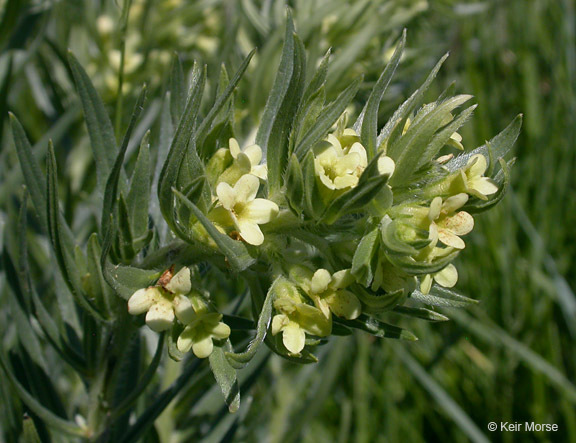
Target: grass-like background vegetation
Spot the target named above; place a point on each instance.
(511, 358)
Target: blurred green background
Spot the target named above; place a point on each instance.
(511, 358)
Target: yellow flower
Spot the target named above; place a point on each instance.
(446, 224)
(446, 278)
(162, 302)
(328, 291)
(202, 327)
(296, 319)
(249, 159)
(247, 211)
(473, 181)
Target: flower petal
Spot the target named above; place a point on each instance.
(234, 147)
(184, 342)
(477, 165)
(342, 279)
(386, 165)
(460, 223)
(203, 347)
(484, 185)
(250, 232)
(435, 207)
(183, 309)
(246, 188)
(140, 301)
(279, 322)
(451, 204)
(320, 281)
(447, 277)
(226, 194)
(259, 211)
(426, 284)
(345, 181)
(345, 304)
(180, 283)
(260, 171)
(294, 338)
(254, 153)
(160, 316)
(221, 331)
(450, 239)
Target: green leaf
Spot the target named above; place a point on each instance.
(421, 313)
(126, 280)
(261, 329)
(177, 87)
(393, 128)
(138, 198)
(327, 118)
(443, 136)
(235, 251)
(112, 180)
(33, 175)
(171, 168)
(408, 150)
(379, 302)
(100, 290)
(377, 328)
(225, 376)
(362, 262)
(100, 128)
(443, 297)
(64, 252)
(313, 202)
(29, 432)
(294, 185)
(221, 101)
(368, 120)
(498, 147)
(279, 90)
(49, 417)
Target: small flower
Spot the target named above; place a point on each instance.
(296, 318)
(328, 291)
(340, 167)
(202, 327)
(446, 224)
(473, 181)
(162, 302)
(249, 159)
(446, 278)
(247, 211)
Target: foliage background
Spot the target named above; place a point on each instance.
(511, 358)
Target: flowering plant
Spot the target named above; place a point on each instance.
(328, 223)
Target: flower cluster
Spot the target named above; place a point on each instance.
(173, 297)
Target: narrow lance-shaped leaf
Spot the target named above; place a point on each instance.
(377, 328)
(221, 101)
(394, 126)
(367, 122)
(171, 167)
(64, 254)
(261, 329)
(100, 128)
(138, 198)
(177, 87)
(226, 378)
(280, 87)
(328, 116)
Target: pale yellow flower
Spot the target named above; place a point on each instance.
(328, 291)
(161, 303)
(446, 278)
(248, 159)
(338, 167)
(247, 211)
(473, 181)
(446, 224)
(296, 319)
(201, 329)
